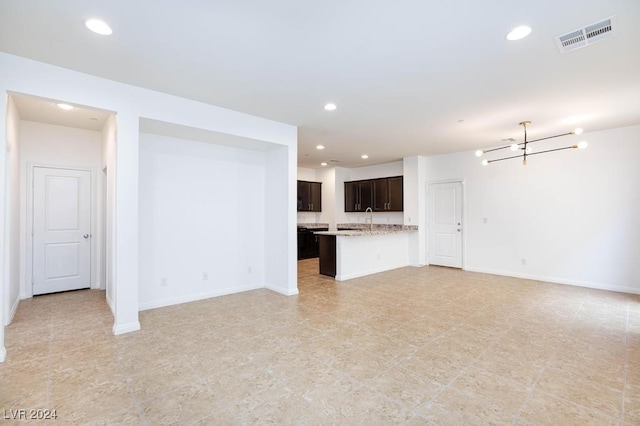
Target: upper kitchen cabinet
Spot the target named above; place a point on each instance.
(309, 196)
(358, 195)
(388, 195)
(384, 194)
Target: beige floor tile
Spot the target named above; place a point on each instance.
(153, 382)
(581, 390)
(184, 405)
(455, 408)
(542, 409)
(425, 345)
(436, 366)
(404, 387)
(366, 407)
(505, 394)
(359, 364)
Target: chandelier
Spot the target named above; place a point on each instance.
(526, 150)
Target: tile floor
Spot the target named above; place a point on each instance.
(412, 346)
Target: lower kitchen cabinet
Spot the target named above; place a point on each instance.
(328, 255)
(308, 243)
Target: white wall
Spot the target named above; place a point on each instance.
(305, 173)
(414, 190)
(280, 248)
(11, 274)
(571, 214)
(132, 103)
(48, 145)
(202, 209)
(107, 197)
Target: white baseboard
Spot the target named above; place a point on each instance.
(576, 283)
(110, 303)
(12, 311)
(126, 328)
(345, 277)
(198, 296)
(286, 292)
(3, 354)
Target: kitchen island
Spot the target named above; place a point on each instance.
(360, 251)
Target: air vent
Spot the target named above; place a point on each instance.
(587, 36)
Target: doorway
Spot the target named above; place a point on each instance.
(445, 224)
(61, 230)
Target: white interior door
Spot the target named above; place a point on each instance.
(61, 230)
(445, 224)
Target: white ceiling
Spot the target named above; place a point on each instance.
(47, 111)
(403, 73)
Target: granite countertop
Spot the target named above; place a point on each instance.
(360, 229)
(313, 225)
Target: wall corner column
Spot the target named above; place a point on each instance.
(414, 188)
(126, 224)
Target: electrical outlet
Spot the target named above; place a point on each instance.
(205, 276)
(163, 282)
(485, 220)
(523, 261)
(250, 270)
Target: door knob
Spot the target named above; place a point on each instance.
(459, 229)
(86, 235)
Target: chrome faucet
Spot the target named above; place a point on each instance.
(370, 210)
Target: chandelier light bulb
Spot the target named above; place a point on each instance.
(526, 147)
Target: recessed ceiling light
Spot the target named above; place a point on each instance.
(65, 107)
(320, 147)
(98, 27)
(364, 156)
(323, 164)
(519, 33)
(330, 107)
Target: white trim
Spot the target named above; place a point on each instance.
(27, 288)
(110, 303)
(280, 290)
(14, 308)
(463, 217)
(126, 328)
(198, 296)
(3, 354)
(555, 280)
(370, 271)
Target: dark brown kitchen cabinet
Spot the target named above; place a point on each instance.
(309, 196)
(327, 260)
(384, 194)
(387, 194)
(358, 195)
